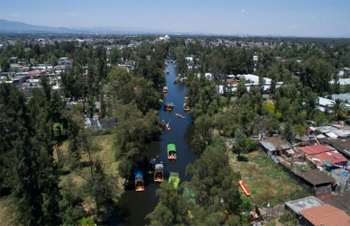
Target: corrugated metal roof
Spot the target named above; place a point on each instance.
(268, 145)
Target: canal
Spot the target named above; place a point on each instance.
(134, 206)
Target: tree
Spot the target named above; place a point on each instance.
(214, 182)
(31, 173)
(203, 134)
(240, 146)
(339, 108)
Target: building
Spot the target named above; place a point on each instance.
(324, 215)
(302, 204)
(320, 183)
(322, 155)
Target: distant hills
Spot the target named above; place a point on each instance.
(20, 27)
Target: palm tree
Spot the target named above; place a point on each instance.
(339, 108)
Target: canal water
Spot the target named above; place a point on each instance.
(134, 206)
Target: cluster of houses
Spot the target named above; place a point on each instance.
(28, 77)
(320, 162)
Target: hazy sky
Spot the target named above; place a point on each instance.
(326, 18)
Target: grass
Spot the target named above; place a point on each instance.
(266, 181)
(7, 217)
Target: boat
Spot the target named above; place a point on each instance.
(168, 106)
(165, 89)
(158, 172)
(160, 101)
(186, 107)
(168, 126)
(171, 149)
(151, 164)
(139, 184)
(174, 179)
(244, 188)
(167, 71)
(179, 115)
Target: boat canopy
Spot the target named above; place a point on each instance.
(159, 166)
(174, 179)
(171, 147)
(138, 175)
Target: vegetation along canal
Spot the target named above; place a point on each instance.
(134, 206)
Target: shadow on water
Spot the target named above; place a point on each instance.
(134, 206)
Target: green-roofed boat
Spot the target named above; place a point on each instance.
(171, 151)
(174, 179)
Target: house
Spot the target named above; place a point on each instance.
(299, 205)
(320, 183)
(322, 155)
(324, 215)
(340, 201)
(342, 145)
(99, 124)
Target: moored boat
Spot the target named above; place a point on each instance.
(139, 183)
(167, 71)
(174, 179)
(171, 149)
(186, 107)
(165, 89)
(179, 115)
(151, 164)
(158, 172)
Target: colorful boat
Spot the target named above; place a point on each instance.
(244, 188)
(186, 107)
(171, 148)
(139, 184)
(174, 179)
(168, 106)
(179, 115)
(165, 89)
(152, 164)
(158, 172)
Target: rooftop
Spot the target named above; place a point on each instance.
(312, 150)
(341, 201)
(326, 215)
(304, 203)
(316, 177)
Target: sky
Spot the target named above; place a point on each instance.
(311, 18)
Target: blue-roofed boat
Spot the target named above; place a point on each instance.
(139, 183)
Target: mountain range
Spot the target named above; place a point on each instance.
(20, 27)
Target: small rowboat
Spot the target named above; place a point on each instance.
(179, 115)
(168, 126)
